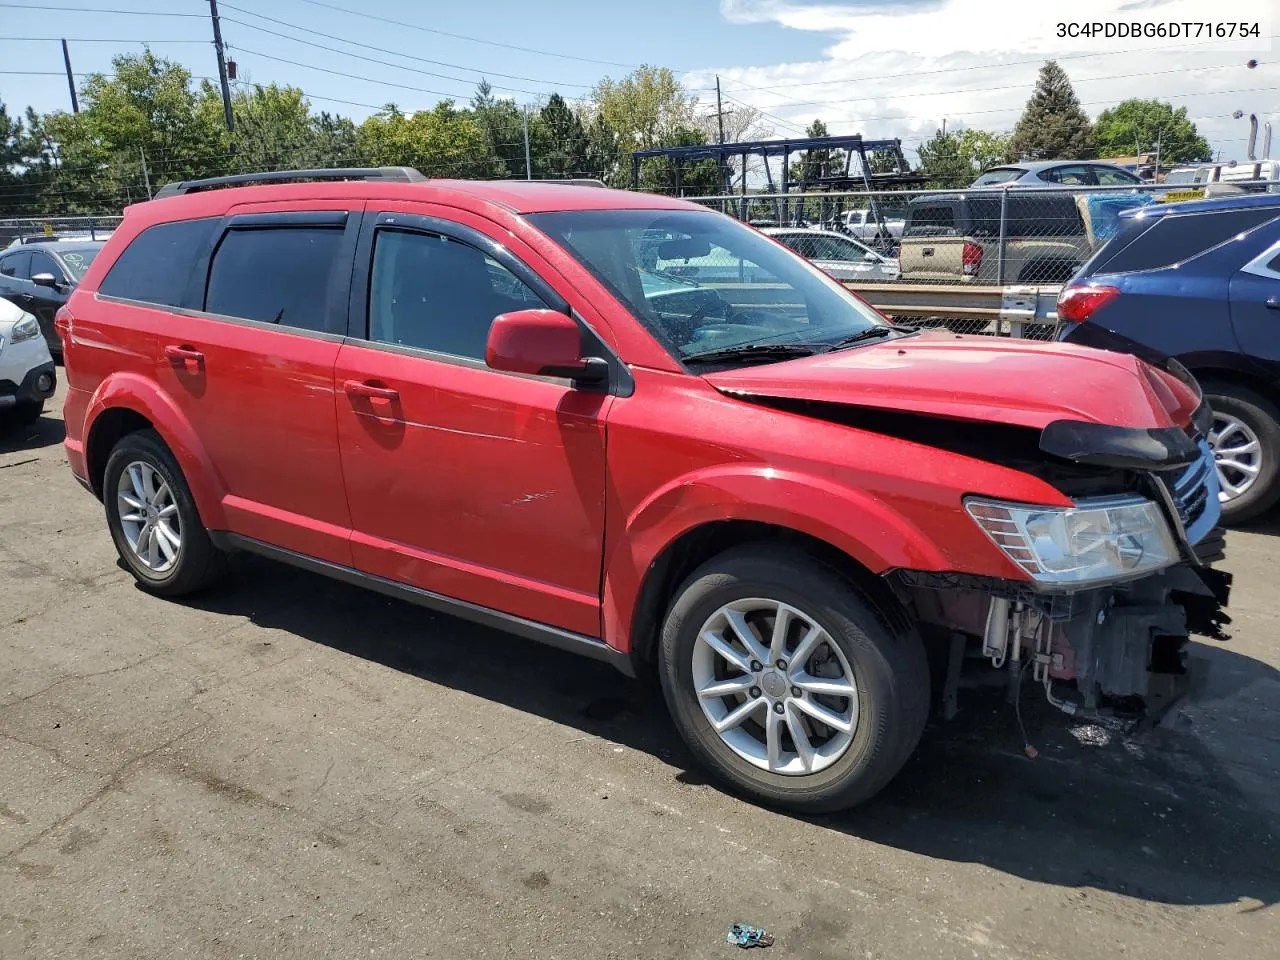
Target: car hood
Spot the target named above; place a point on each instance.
(977, 378)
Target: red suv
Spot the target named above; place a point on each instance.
(634, 428)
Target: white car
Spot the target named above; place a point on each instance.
(27, 375)
(837, 255)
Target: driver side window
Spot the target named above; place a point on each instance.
(436, 293)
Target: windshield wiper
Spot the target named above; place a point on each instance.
(750, 351)
(871, 333)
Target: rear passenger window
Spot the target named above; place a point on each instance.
(434, 293)
(156, 266)
(1174, 239)
(275, 275)
(15, 265)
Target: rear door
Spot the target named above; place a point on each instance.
(13, 276)
(252, 369)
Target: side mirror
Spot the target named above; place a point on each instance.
(870, 257)
(47, 280)
(543, 343)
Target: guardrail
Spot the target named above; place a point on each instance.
(1009, 311)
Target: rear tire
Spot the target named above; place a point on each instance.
(1244, 422)
(889, 681)
(159, 537)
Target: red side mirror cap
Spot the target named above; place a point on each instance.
(540, 342)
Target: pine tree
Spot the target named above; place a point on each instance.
(1053, 126)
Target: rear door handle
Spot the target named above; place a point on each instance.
(183, 355)
(1273, 303)
(362, 388)
(28, 297)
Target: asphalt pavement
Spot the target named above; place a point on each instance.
(291, 767)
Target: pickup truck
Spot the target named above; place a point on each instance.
(863, 225)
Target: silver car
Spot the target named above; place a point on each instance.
(833, 253)
(1058, 173)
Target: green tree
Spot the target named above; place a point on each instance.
(604, 153)
(443, 142)
(1136, 126)
(273, 127)
(648, 108)
(820, 162)
(333, 143)
(563, 146)
(956, 158)
(1053, 126)
(502, 123)
(149, 108)
(943, 163)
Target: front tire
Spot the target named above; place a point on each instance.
(813, 716)
(1246, 447)
(153, 519)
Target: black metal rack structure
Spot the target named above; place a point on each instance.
(853, 176)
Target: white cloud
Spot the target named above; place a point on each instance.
(895, 69)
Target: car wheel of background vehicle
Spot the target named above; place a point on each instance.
(27, 413)
(153, 519)
(789, 683)
(1246, 449)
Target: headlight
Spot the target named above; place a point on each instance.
(1096, 541)
(24, 329)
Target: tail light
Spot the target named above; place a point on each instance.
(1078, 304)
(971, 258)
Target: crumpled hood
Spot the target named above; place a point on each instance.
(977, 378)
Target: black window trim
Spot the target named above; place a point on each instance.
(619, 382)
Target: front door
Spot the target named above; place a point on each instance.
(471, 483)
(253, 371)
(45, 301)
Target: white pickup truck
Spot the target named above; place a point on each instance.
(863, 225)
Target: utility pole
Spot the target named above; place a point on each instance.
(944, 126)
(528, 165)
(71, 80)
(146, 177)
(1159, 136)
(719, 109)
(222, 65)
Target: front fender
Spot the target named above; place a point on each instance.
(861, 526)
(132, 391)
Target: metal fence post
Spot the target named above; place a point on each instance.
(1004, 220)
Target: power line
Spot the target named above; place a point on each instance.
(984, 66)
(357, 56)
(94, 39)
(366, 46)
(132, 13)
(459, 36)
(351, 76)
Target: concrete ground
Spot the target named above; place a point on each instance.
(290, 767)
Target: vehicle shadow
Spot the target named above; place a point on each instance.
(46, 432)
(1152, 814)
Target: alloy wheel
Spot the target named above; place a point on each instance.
(775, 687)
(1237, 454)
(149, 516)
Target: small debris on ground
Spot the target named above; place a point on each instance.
(747, 936)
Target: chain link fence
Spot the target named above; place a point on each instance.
(977, 260)
(44, 229)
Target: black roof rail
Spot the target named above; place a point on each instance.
(385, 174)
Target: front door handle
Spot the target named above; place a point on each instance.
(362, 388)
(1273, 303)
(183, 355)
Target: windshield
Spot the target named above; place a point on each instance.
(78, 260)
(998, 175)
(703, 282)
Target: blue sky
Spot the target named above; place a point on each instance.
(885, 68)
